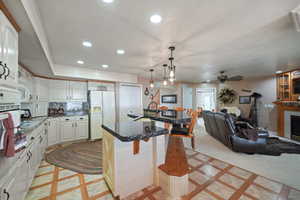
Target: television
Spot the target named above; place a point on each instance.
(169, 98)
(296, 86)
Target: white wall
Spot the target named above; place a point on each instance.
(266, 86)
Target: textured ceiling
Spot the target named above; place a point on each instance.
(250, 38)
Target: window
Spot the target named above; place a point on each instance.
(206, 98)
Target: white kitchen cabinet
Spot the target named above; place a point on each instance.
(9, 51)
(53, 131)
(67, 130)
(78, 91)
(58, 90)
(61, 91)
(41, 90)
(41, 109)
(81, 126)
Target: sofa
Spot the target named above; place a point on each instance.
(241, 137)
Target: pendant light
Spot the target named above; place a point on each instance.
(172, 67)
(165, 81)
(151, 79)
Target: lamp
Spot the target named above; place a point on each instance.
(165, 81)
(172, 67)
(151, 79)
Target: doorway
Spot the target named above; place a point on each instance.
(206, 98)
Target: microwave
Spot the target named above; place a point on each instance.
(169, 98)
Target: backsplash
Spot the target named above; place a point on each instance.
(70, 106)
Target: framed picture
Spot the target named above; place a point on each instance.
(245, 99)
(169, 98)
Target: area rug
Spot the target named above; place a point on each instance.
(82, 157)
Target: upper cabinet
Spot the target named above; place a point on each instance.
(78, 91)
(288, 86)
(41, 92)
(284, 86)
(61, 91)
(9, 52)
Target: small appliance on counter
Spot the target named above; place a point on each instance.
(25, 114)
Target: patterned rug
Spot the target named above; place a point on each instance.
(82, 157)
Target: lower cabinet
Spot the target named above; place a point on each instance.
(66, 129)
(18, 178)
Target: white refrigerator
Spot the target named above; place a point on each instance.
(102, 110)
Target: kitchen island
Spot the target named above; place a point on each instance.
(134, 153)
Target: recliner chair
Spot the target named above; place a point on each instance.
(222, 127)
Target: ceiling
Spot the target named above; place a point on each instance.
(250, 38)
(31, 53)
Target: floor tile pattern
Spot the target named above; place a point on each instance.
(209, 179)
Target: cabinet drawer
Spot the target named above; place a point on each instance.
(67, 119)
(85, 117)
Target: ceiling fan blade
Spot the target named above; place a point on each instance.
(236, 78)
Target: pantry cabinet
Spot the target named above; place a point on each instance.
(8, 52)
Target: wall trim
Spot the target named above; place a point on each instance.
(60, 79)
(9, 16)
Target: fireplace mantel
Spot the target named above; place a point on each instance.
(283, 106)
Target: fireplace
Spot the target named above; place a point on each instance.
(295, 128)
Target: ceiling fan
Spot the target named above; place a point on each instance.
(223, 77)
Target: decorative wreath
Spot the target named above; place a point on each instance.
(227, 96)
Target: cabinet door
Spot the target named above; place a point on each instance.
(41, 90)
(53, 132)
(78, 91)
(41, 109)
(59, 90)
(82, 129)
(10, 50)
(34, 157)
(23, 182)
(67, 130)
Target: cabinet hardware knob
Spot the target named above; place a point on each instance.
(8, 71)
(7, 194)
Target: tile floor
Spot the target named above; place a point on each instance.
(209, 179)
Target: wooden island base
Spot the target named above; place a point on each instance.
(173, 174)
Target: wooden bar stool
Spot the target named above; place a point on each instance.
(179, 109)
(187, 131)
(163, 108)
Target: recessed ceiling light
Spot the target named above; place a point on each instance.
(208, 81)
(120, 51)
(108, 1)
(87, 44)
(155, 19)
(105, 66)
(80, 62)
(278, 72)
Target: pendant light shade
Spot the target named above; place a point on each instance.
(151, 79)
(165, 80)
(172, 67)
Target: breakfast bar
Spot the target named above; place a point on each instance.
(142, 145)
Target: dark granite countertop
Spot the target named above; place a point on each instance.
(135, 130)
(168, 116)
